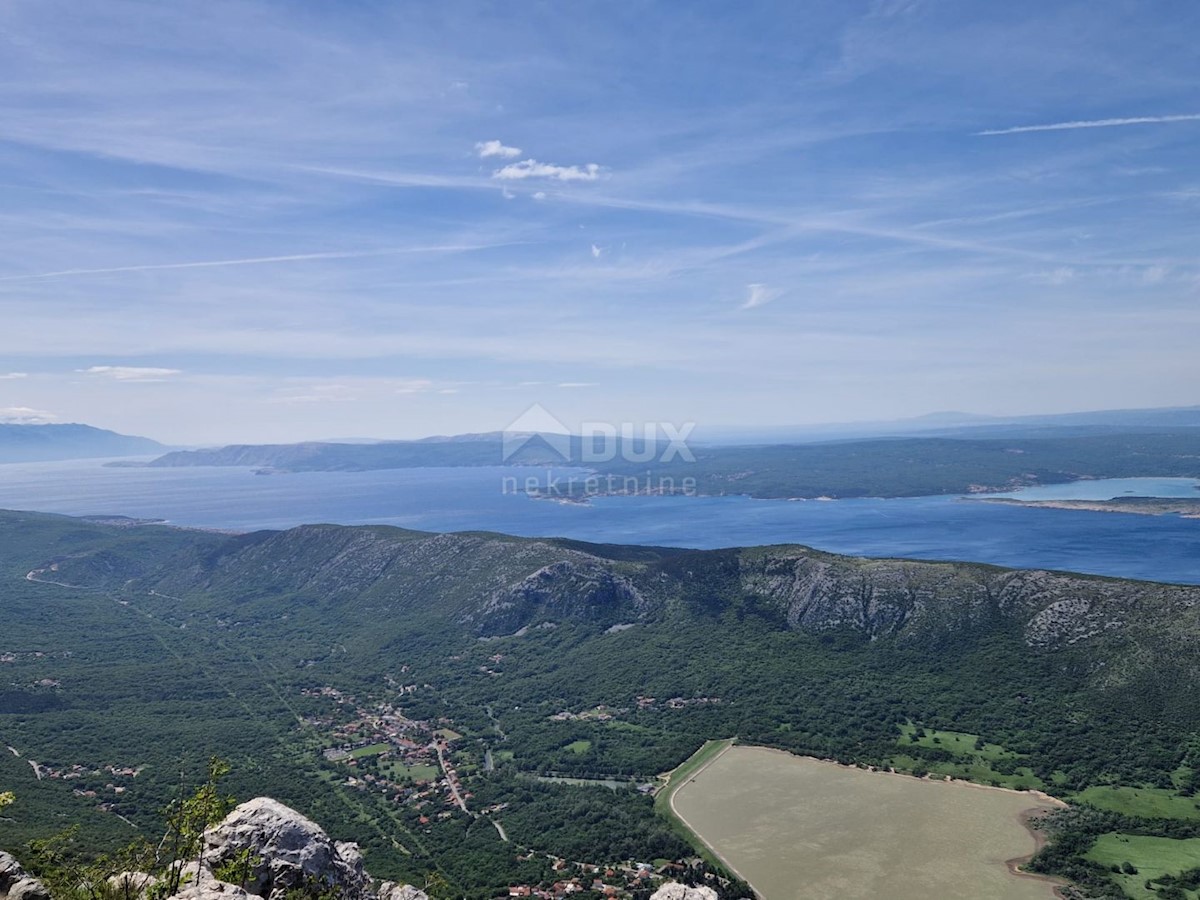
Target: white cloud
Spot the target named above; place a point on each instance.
(131, 373)
(597, 251)
(531, 168)
(13, 376)
(23, 415)
(415, 386)
(1093, 123)
(540, 195)
(577, 384)
(495, 148)
(759, 295)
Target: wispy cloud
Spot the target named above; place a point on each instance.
(250, 261)
(131, 373)
(13, 376)
(759, 295)
(577, 384)
(597, 251)
(495, 148)
(23, 415)
(531, 168)
(1093, 123)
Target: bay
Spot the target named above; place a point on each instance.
(1159, 548)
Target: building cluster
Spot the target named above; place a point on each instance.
(617, 881)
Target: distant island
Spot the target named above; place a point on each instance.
(879, 467)
(1143, 506)
(44, 443)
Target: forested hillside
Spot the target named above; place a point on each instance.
(325, 661)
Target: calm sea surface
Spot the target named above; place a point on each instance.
(1162, 548)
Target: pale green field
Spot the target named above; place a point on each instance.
(1153, 856)
(802, 828)
(1153, 803)
(372, 750)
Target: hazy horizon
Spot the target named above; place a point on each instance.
(716, 433)
(245, 222)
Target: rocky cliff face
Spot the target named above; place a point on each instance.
(580, 590)
(495, 585)
(923, 601)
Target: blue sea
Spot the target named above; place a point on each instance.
(1160, 548)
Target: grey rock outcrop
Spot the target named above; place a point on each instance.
(212, 889)
(286, 850)
(673, 890)
(390, 890)
(17, 884)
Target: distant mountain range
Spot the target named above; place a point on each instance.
(918, 464)
(38, 443)
(961, 424)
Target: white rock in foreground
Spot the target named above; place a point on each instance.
(212, 890)
(390, 890)
(673, 890)
(286, 850)
(16, 884)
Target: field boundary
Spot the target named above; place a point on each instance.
(682, 774)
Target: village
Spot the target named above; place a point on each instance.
(418, 766)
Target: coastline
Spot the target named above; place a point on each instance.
(1183, 507)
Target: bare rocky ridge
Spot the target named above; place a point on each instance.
(584, 591)
(898, 598)
(496, 585)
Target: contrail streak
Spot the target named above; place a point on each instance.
(1093, 123)
(250, 261)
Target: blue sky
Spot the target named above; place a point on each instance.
(277, 221)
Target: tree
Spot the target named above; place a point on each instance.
(187, 820)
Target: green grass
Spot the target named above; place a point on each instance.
(980, 772)
(372, 750)
(505, 755)
(578, 747)
(449, 734)
(680, 776)
(1153, 857)
(960, 743)
(1150, 803)
(398, 771)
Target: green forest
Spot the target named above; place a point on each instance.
(174, 646)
